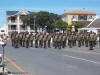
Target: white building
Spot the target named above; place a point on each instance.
(15, 23)
(4, 30)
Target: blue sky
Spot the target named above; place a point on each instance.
(55, 6)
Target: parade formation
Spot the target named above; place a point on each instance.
(56, 40)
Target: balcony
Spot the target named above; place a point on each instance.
(10, 22)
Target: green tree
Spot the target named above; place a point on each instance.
(60, 24)
(43, 18)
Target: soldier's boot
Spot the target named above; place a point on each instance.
(70, 45)
(24, 44)
(49, 44)
(91, 48)
(45, 44)
(36, 44)
(63, 44)
(27, 44)
(31, 43)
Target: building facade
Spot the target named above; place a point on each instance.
(15, 23)
(83, 17)
(94, 26)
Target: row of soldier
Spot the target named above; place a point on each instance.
(58, 40)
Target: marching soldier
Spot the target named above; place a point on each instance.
(13, 38)
(64, 38)
(59, 41)
(36, 40)
(70, 37)
(16, 40)
(86, 39)
(31, 39)
(95, 38)
(91, 40)
(79, 40)
(49, 40)
(41, 40)
(55, 40)
(45, 40)
(20, 39)
(23, 39)
(82, 39)
(27, 39)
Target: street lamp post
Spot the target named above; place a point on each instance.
(34, 23)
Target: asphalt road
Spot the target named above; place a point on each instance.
(50, 61)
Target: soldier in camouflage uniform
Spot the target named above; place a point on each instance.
(20, 39)
(75, 39)
(64, 38)
(41, 40)
(70, 37)
(82, 39)
(23, 39)
(59, 41)
(86, 39)
(27, 37)
(49, 40)
(45, 40)
(16, 40)
(91, 41)
(95, 39)
(36, 40)
(79, 40)
(55, 40)
(13, 38)
(31, 39)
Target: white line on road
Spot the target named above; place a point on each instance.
(82, 59)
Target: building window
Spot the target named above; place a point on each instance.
(64, 18)
(74, 17)
(90, 17)
(13, 19)
(13, 27)
(82, 17)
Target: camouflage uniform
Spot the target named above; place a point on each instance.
(45, 40)
(64, 38)
(55, 40)
(82, 39)
(49, 40)
(20, 39)
(16, 40)
(70, 37)
(27, 40)
(23, 39)
(41, 40)
(31, 39)
(86, 39)
(79, 40)
(91, 40)
(59, 41)
(36, 40)
(13, 38)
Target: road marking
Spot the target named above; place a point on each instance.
(86, 52)
(20, 69)
(82, 59)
